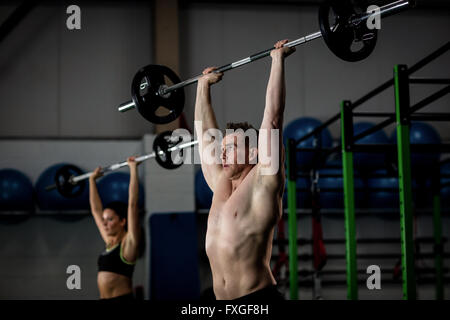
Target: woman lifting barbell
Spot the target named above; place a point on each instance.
(119, 227)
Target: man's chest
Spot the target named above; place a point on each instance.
(227, 211)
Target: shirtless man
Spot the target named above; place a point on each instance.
(247, 204)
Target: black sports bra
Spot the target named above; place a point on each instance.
(112, 260)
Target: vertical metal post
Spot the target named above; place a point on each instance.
(349, 199)
(292, 218)
(437, 231)
(401, 85)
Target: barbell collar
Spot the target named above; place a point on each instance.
(127, 106)
(145, 157)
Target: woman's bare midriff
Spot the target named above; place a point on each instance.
(113, 285)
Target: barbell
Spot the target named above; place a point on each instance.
(70, 181)
(342, 25)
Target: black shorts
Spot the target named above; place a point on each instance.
(267, 294)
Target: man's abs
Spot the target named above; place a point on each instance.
(239, 256)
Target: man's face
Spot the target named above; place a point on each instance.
(235, 154)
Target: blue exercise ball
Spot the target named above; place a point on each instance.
(421, 133)
(203, 194)
(364, 161)
(303, 195)
(115, 187)
(53, 200)
(331, 188)
(16, 191)
(383, 190)
(299, 128)
(331, 184)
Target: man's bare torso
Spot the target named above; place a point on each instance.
(239, 236)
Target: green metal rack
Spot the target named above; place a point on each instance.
(404, 113)
(349, 199)
(402, 106)
(292, 219)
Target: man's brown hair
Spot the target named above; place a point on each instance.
(244, 126)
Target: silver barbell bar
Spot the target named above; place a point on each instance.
(74, 180)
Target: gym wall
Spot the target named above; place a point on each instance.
(57, 82)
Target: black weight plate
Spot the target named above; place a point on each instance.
(147, 98)
(349, 41)
(63, 184)
(163, 142)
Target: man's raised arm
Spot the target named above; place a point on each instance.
(273, 113)
(205, 119)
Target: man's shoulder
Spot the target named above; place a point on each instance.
(269, 173)
(268, 181)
